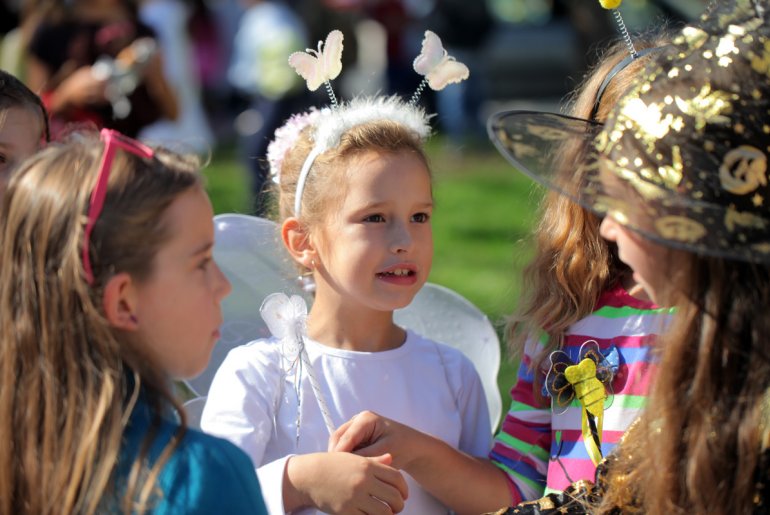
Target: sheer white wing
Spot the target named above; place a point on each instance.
(446, 316)
(194, 410)
(251, 255)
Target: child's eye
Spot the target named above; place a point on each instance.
(204, 264)
(374, 218)
(420, 218)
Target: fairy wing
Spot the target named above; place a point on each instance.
(309, 68)
(194, 410)
(251, 255)
(443, 315)
(332, 55)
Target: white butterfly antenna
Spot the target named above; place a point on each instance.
(331, 94)
(418, 91)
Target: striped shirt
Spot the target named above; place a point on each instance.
(541, 449)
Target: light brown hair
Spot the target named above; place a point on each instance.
(68, 378)
(703, 444)
(573, 264)
(698, 449)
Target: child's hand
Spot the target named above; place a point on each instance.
(369, 434)
(342, 483)
(80, 88)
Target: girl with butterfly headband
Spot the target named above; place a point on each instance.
(355, 205)
(109, 291)
(580, 304)
(679, 173)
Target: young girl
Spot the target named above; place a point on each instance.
(23, 124)
(108, 292)
(681, 172)
(578, 292)
(359, 222)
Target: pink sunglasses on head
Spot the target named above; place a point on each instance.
(112, 140)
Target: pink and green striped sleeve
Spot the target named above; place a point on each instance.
(521, 447)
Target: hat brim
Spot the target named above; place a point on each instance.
(559, 152)
(544, 145)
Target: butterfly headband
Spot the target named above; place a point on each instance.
(323, 65)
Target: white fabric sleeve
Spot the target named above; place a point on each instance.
(241, 407)
(476, 435)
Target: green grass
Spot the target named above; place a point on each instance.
(482, 221)
(483, 218)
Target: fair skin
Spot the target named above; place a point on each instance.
(646, 258)
(475, 485)
(371, 256)
(21, 131)
(175, 312)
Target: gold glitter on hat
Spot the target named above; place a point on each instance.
(683, 157)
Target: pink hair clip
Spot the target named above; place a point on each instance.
(112, 140)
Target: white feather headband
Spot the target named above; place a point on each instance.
(333, 123)
(324, 64)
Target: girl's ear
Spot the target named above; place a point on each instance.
(297, 241)
(119, 302)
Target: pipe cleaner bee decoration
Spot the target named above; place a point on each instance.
(590, 382)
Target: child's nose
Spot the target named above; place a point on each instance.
(401, 238)
(223, 287)
(608, 228)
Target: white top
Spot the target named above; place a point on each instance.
(253, 403)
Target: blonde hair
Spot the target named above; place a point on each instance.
(68, 379)
(325, 183)
(573, 264)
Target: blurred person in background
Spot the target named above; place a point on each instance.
(464, 27)
(92, 61)
(170, 20)
(269, 30)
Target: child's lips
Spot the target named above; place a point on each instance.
(403, 274)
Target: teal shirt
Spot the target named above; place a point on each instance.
(204, 475)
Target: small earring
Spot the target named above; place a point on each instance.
(133, 319)
(305, 279)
